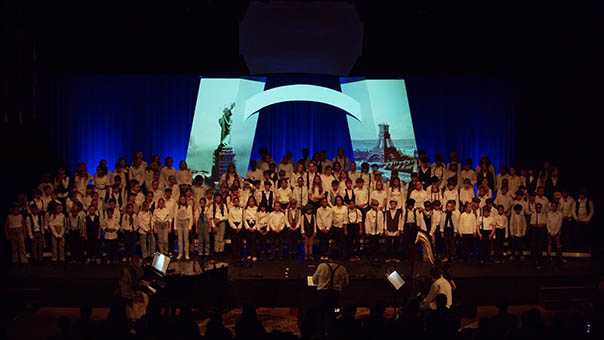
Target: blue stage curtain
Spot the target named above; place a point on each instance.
(94, 117)
(473, 116)
(293, 126)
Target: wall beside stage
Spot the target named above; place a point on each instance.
(93, 117)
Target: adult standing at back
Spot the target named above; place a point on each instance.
(330, 278)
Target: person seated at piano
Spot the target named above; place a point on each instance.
(131, 287)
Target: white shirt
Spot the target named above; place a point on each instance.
(440, 286)
(470, 174)
(250, 217)
(284, 195)
(56, 224)
(582, 216)
(467, 224)
(501, 222)
(255, 175)
(454, 221)
(353, 175)
(300, 194)
(420, 196)
(499, 181)
(505, 200)
(184, 177)
(126, 224)
(137, 173)
(544, 203)
(361, 196)
(324, 218)
(236, 217)
(216, 212)
(276, 221)
(566, 205)
(287, 167)
(184, 213)
(344, 162)
(326, 181)
(381, 196)
(374, 222)
(110, 226)
(398, 196)
(34, 223)
(171, 205)
(144, 222)
(166, 173)
(538, 218)
(162, 215)
(353, 216)
(199, 191)
(517, 225)
(263, 219)
(339, 216)
(434, 196)
(554, 222)
(466, 195)
(450, 195)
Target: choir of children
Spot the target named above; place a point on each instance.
(273, 209)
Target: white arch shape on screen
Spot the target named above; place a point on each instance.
(303, 92)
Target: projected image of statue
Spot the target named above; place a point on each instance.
(224, 155)
(225, 125)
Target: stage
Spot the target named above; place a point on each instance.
(283, 284)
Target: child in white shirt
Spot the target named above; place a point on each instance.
(277, 224)
(111, 225)
(466, 194)
(486, 232)
(554, 224)
(184, 175)
(467, 230)
(236, 222)
(353, 229)
(501, 232)
(324, 217)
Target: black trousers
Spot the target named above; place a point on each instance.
(293, 237)
(262, 242)
(499, 238)
(323, 242)
(237, 242)
(277, 240)
(92, 246)
(250, 242)
(392, 245)
(75, 245)
(374, 244)
(340, 239)
(467, 246)
(353, 240)
(111, 248)
(130, 238)
(517, 245)
(485, 245)
(566, 236)
(537, 241)
(448, 243)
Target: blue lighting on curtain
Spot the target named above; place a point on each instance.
(96, 117)
(473, 116)
(311, 125)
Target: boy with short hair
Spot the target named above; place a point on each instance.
(468, 222)
(486, 232)
(393, 228)
(276, 224)
(35, 230)
(537, 232)
(517, 232)
(374, 227)
(554, 224)
(448, 228)
(353, 229)
(501, 232)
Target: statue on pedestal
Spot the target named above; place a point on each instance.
(225, 125)
(224, 154)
